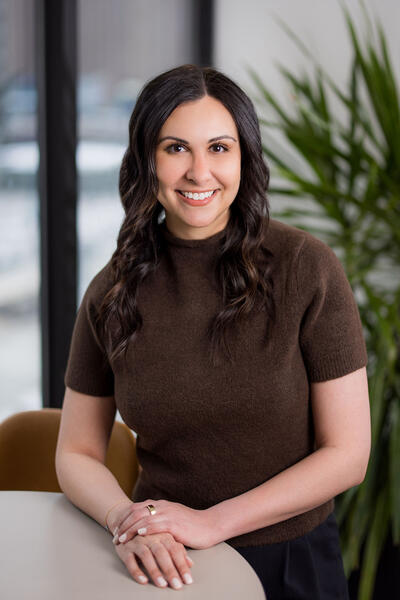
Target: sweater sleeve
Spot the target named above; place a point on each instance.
(331, 335)
(88, 369)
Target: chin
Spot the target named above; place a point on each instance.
(201, 222)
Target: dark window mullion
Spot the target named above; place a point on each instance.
(56, 72)
(203, 32)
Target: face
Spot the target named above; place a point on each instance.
(198, 151)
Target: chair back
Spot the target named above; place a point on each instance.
(28, 442)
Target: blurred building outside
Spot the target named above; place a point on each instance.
(121, 45)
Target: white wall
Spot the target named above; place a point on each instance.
(247, 33)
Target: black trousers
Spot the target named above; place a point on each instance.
(309, 567)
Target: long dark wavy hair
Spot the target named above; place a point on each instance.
(243, 267)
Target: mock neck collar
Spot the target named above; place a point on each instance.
(170, 238)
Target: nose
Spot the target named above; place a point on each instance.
(199, 168)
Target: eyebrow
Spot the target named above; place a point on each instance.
(214, 139)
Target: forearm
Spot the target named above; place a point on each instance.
(89, 484)
(299, 488)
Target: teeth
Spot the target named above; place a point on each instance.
(198, 196)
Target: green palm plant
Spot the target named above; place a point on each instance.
(350, 178)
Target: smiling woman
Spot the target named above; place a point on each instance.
(230, 343)
(198, 184)
(216, 147)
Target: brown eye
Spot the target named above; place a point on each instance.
(170, 148)
(220, 146)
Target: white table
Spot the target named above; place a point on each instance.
(52, 550)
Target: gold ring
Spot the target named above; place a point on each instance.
(151, 508)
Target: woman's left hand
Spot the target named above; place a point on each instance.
(193, 528)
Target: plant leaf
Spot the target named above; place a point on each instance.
(374, 545)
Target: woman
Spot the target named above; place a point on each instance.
(230, 343)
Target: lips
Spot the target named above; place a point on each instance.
(193, 202)
(203, 192)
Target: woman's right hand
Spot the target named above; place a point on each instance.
(165, 559)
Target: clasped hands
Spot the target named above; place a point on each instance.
(193, 528)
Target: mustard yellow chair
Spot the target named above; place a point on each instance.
(28, 443)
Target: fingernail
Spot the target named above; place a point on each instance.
(115, 531)
(190, 560)
(122, 538)
(142, 531)
(142, 578)
(176, 583)
(161, 581)
(115, 539)
(187, 578)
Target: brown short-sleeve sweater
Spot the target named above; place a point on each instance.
(204, 433)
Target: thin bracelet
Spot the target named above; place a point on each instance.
(111, 510)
